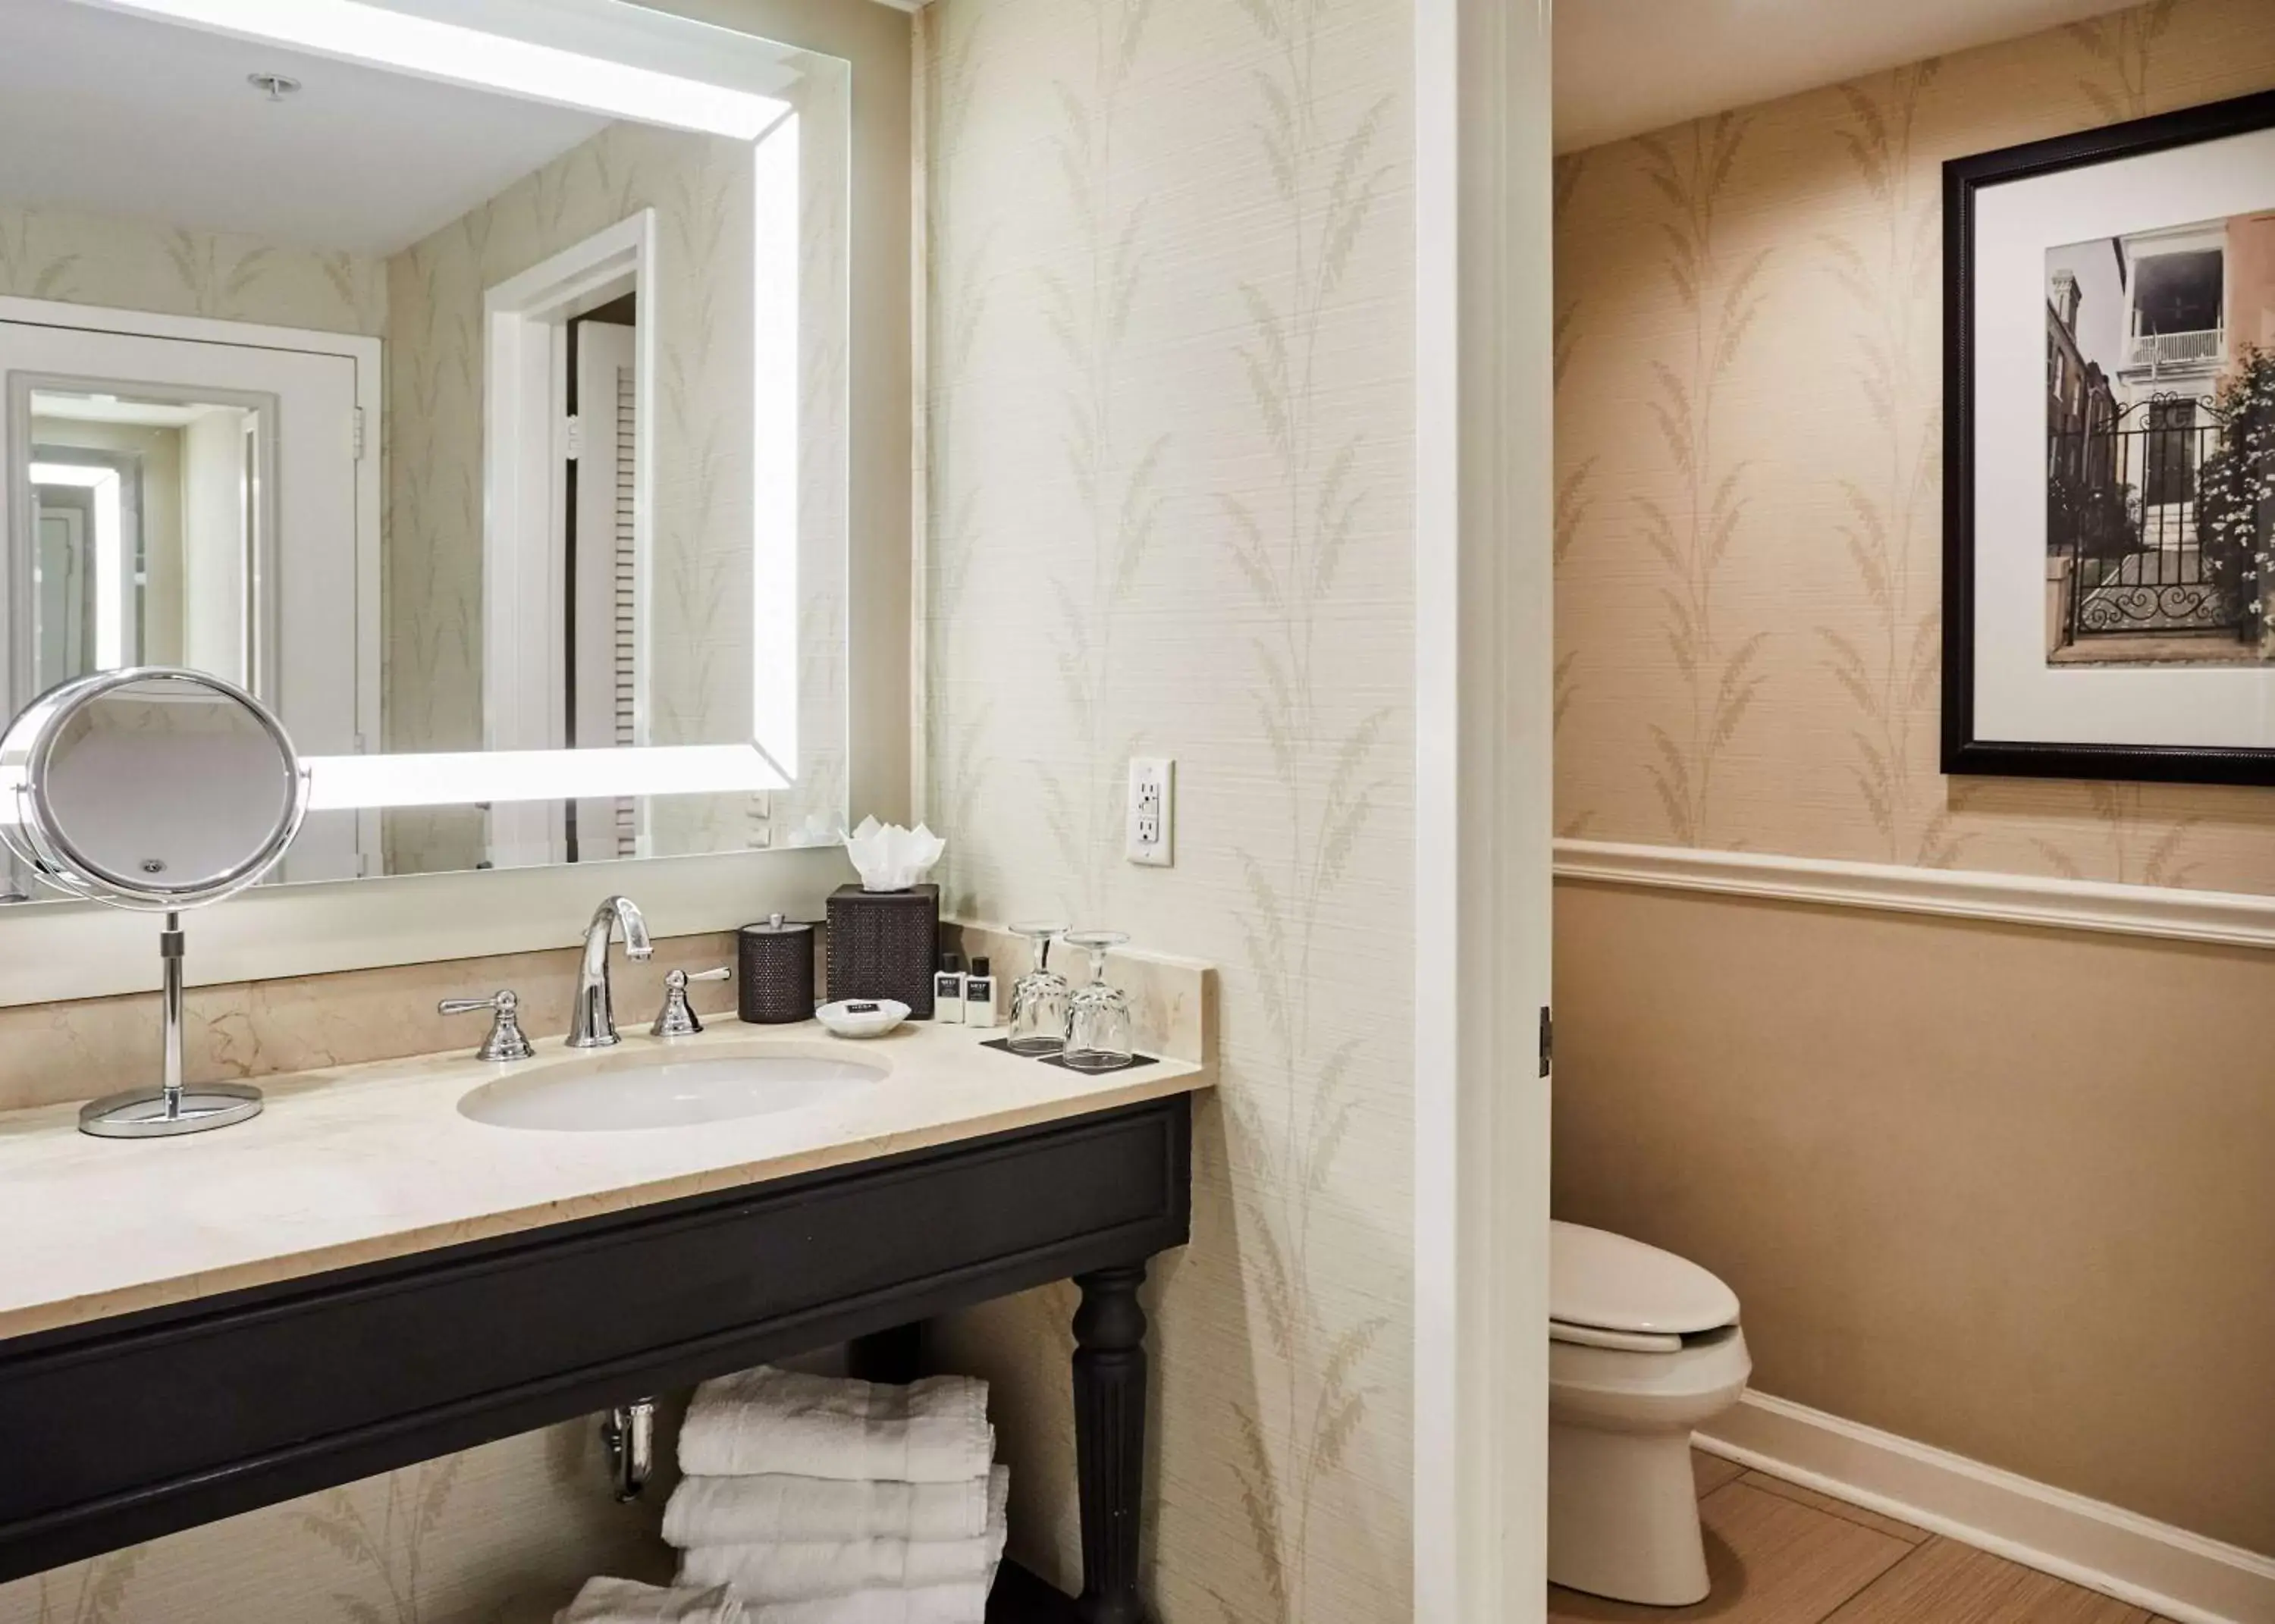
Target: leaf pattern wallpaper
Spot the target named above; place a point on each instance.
(1748, 425)
(1691, 536)
(141, 265)
(502, 1534)
(1892, 519)
(1169, 422)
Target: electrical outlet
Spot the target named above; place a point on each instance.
(1152, 808)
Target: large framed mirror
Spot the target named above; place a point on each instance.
(465, 379)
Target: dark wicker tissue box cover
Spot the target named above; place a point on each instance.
(882, 944)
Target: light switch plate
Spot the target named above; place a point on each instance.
(1152, 812)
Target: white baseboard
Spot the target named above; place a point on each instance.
(2168, 1570)
(2232, 919)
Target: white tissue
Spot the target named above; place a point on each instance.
(818, 829)
(889, 858)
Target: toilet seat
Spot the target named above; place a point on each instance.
(1625, 1341)
(1607, 1291)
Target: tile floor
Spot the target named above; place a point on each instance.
(1782, 1554)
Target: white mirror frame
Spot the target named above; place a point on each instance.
(69, 950)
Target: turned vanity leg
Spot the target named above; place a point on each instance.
(1110, 1440)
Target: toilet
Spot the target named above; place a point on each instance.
(1642, 1346)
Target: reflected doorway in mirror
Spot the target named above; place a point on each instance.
(152, 465)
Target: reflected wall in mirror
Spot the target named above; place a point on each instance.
(445, 417)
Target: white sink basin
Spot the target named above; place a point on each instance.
(621, 1091)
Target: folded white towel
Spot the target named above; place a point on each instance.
(812, 1570)
(774, 1421)
(623, 1601)
(771, 1508)
(944, 1603)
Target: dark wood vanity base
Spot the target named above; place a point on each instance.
(128, 1428)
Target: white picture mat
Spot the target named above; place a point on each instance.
(2018, 696)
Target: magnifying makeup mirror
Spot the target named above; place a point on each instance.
(155, 789)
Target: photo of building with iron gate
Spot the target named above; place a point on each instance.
(2160, 347)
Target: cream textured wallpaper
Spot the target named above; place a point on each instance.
(1170, 487)
(144, 265)
(470, 1538)
(1748, 480)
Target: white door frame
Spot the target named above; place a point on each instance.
(1483, 724)
(366, 353)
(523, 588)
(604, 353)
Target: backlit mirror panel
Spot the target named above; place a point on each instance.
(467, 382)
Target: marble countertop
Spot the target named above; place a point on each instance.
(358, 1163)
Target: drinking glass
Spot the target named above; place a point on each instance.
(1098, 1023)
(1039, 999)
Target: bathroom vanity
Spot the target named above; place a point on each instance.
(567, 291)
(367, 1275)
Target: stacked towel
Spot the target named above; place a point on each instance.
(819, 1426)
(717, 1511)
(812, 1569)
(623, 1601)
(820, 1501)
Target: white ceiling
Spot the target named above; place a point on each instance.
(1625, 66)
(118, 114)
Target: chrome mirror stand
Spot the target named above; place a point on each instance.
(104, 810)
(171, 1108)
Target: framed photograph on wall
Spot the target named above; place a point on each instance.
(2109, 454)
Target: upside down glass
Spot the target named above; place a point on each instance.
(1100, 1029)
(1039, 999)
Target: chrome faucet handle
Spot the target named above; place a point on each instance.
(505, 1041)
(675, 1019)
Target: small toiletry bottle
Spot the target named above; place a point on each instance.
(980, 994)
(948, 989)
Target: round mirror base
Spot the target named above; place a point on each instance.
(141, 1113)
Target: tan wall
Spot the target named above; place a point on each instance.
(1171, 450)
(1998, 1188)
(1749, 480)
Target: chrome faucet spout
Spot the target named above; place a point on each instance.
(592, 1023)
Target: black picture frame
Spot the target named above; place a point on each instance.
(1964, 753)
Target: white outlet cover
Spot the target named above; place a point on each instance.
(1152, 815)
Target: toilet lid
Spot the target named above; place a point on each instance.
(1611, 1283)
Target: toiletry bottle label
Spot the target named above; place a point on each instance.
(980, 995)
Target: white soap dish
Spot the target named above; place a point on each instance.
(862, 1017)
